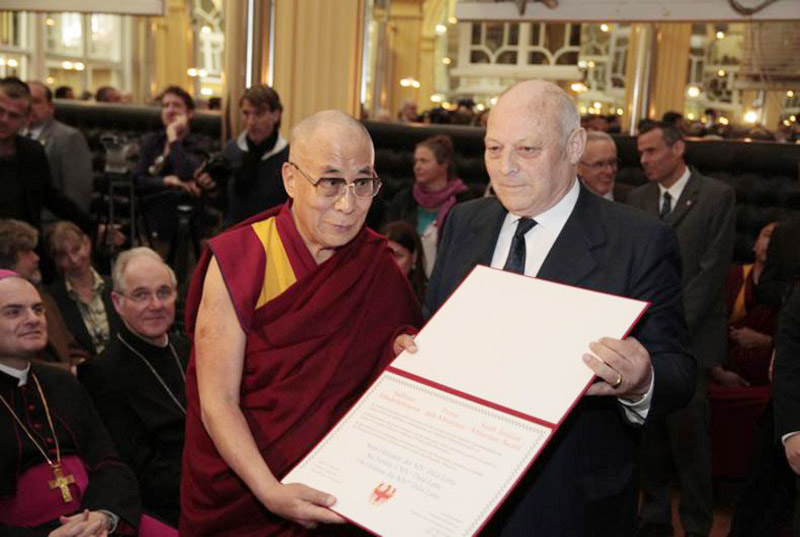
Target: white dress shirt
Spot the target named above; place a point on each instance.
(675, 190)
(538, 242)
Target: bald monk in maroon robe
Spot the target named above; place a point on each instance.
(293, 314)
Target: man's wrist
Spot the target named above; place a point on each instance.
(112, 520)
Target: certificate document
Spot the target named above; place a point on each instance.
(442, 436)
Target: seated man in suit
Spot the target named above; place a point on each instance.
(138, 382)
(59, 473)
(598, 167)
(545, 223)
(67, 151)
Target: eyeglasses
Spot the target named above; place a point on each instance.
(335, 187)
(600, 164)
(142, 296)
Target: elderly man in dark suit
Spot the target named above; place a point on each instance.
(67, 151)
(545, 223)
(701, 211)
(598, 167)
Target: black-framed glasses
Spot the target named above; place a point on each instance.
(600, 164)
(335, 187)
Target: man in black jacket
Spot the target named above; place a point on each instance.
(24, 172)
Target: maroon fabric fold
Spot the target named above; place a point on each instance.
(311, 352)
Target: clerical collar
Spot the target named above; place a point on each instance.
(132, 338)
(20, 374)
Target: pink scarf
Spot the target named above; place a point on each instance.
(440, 200)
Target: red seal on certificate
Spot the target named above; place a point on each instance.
(381, 494)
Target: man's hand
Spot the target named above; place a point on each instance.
(749, 338)
(404, 342)
(304, 505)
(85, 524)
(177, 128)
(728, 378)
(624, 365)
(792, 449)
(190, 187)
(204, 180)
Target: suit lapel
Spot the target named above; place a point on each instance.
(571, 258)
(478, 245)
(687, 200)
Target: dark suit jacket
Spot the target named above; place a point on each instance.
(72, 315)
(703, 217)
(70, 161)
(786, 375)
(583, 483)
(38, 189)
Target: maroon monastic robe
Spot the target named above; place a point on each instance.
(313, 347)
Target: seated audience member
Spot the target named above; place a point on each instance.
(256, 157)
(24, 174)
(751, 323)
(167, 163)
(17, 253)
(293, 315)
(59, 473)
(435, 191)
(407, 250)
(138, 383)
(598, 167)
(83, 295)
(67, 152)
(107, 94)
(64, 92)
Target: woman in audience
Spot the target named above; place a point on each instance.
(751, 324)
(83, 296)
(436, 189)
(407, 250)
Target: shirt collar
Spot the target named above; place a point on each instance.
(97, 283)
(676, 189)
(20, 374)
(554, 218)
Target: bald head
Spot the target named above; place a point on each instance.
(324, 126)
(545, 100)
(330, 156)
(533, 144)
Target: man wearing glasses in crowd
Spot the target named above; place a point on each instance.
(598, 167)
(293, 314)
(137, 383)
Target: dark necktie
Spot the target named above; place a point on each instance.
(666, 206)
(516, 257)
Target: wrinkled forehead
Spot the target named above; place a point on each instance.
(145, 272)
(338, 148)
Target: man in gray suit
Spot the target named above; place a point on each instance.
(67, 152)
(701, 210)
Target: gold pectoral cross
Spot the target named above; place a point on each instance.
(62, 482)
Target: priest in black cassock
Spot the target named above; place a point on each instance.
(138, 382)
(59, 472)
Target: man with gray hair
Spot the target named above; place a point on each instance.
(293, 313)
(545, 223)
(138, 383)
(598, 167)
